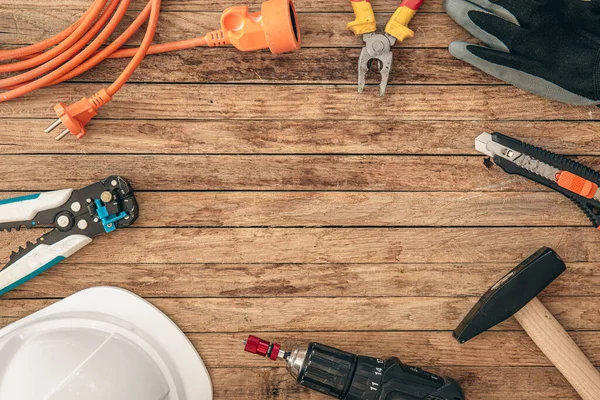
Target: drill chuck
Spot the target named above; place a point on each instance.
(347, 376)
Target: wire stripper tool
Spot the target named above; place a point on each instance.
(378, 46)
(77, 216)
(574, 180)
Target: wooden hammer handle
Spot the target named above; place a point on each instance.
(549, 335)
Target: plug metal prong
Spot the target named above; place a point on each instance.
(62, 134)
(53, 126)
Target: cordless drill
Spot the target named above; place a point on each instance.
(347, 376)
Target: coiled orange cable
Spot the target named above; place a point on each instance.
(65, 60)
(78, 48)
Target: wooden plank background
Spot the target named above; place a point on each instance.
(277, 201)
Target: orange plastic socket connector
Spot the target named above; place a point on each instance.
(275, 27)
(65, 56)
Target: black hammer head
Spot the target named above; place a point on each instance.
(511, 293)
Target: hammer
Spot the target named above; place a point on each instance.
(515, 295)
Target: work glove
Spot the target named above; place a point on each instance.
(547, 47)
(584, 14)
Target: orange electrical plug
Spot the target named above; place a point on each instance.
(76, 116)
(61, 57)
(275, 27)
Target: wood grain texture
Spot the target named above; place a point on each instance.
(310, 67)
(218, 6)
(295, 137)
(25, 26)
(273, 102)
(322, 209)
(228, 172)
(294, 314)
(329, 245)
(353, 209)
(296, 280)
(277, 201)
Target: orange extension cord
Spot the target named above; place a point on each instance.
(76, 50)
(79, 48)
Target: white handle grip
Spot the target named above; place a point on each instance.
(26, 207)
(38, 260)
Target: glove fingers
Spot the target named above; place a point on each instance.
(512, 36)
(500, 8)
(515, 69)
(461, 11)
(489, 60)
(521, 10)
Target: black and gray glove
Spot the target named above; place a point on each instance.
(548, 47)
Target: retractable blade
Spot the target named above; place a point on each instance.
(568, 177)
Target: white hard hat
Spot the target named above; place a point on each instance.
(100, 344)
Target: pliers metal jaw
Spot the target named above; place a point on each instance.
(77, 217)
(378, 48)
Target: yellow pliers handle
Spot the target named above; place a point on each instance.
(398, 24)
(365, 18)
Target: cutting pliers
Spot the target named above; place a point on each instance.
(77, 217)
(378, 46)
